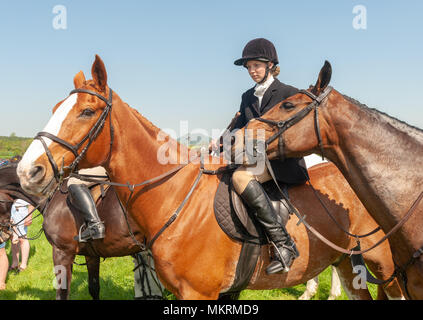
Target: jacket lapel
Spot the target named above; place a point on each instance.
(255, 104)
(268, 95)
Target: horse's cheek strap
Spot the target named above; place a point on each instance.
(281, 147)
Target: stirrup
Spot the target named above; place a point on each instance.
(279, 258)
(79, 236)
(87, 228)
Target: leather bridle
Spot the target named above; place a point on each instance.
(284, 125)
(90, 136)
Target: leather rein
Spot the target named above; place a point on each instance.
(91, 136)
(282, 126)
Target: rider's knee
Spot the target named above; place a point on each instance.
(240, 178)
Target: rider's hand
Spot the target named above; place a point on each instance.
(213, 146)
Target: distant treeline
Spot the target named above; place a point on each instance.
(13, 146)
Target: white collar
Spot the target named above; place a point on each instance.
(260, 89)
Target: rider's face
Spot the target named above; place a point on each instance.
(257, 69)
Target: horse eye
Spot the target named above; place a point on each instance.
(87, 113)
(288, 105)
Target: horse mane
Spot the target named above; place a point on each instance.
(149, 125)
(399, 124)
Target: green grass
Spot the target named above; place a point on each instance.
(116, 278)
(36, 282)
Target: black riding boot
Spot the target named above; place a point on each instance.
(81, 198)
(283, 246)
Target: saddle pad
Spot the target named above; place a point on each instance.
(237, 220)
(246, 230)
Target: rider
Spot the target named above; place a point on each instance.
(81, 198)
(259, 57)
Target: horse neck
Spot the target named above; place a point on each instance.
(137, 146)
(380, 157)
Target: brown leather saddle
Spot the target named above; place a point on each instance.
(237, 220)
(235, 217)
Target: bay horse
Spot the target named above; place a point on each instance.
(61, 225)
(194, 258)
(381, 158)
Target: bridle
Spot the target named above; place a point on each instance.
(284, 125)
(90, 136)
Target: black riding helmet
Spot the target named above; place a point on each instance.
(259, 49)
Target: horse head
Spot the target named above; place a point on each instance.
(72, 134)
(299, 111)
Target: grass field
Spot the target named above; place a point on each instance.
(116, 278)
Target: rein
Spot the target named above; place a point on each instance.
(91, 136)
(399, 271)
(131, 187)
(283, 125)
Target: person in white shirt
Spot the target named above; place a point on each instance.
(21, 214)
(260, 59)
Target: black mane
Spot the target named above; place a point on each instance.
(373, 110)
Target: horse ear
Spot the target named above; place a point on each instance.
(324, 79)
(98, 71)
(79, 80)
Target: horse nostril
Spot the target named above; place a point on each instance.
(37, 173)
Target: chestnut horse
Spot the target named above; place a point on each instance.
(381, 158)
(194, 258)
(61, 225)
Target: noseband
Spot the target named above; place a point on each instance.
(284, 125)
(91, 136)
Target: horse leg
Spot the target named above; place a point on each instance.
(63, 271)
(383, 271)
(311, 289)
(354, 285)
(229, 296)
(93, 266)
(335, 290)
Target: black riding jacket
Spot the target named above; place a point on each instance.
(291, 170)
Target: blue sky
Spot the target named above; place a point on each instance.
(173, 60)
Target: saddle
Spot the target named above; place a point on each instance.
(237, 220)
(98, 192)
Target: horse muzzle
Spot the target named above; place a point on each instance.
(35, 179)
